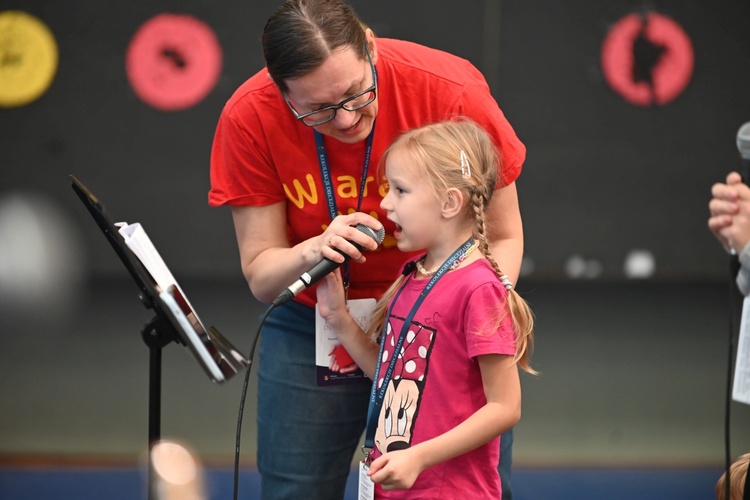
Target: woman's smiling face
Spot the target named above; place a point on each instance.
(341, 76)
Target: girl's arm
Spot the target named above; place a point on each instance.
(502, 387)
(332, 307)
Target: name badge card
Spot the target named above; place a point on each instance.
(333, 365)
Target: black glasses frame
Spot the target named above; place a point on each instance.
(342, 104)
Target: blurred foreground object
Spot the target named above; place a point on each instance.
(178, 474)
(40, 263)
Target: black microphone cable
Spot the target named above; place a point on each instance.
(733, 328)
(324, 267)
(243, 397)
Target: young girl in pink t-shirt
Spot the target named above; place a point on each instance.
(445, 341)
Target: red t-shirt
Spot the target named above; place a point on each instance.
(263, 155)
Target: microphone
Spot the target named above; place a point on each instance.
(325, 267)
(743, 144)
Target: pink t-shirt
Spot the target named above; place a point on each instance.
(436, 382)
(262, 155)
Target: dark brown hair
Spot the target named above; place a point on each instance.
(301, 34)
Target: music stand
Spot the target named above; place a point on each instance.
(174, 321)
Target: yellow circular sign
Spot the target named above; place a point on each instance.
(28, 58)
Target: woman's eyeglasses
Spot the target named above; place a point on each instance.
(353, 103)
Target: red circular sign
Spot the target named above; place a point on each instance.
(173, 61)
(647, 59)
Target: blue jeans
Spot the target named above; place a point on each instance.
(506, 462)
(307, 435)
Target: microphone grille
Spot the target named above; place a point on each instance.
(743, 141)
(378, 235)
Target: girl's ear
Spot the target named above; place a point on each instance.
(453, 203)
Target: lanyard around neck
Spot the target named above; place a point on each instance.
(325, 174)
(378, 395)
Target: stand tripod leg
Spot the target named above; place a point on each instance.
(156, 334)
(154, 397)
(154, 413)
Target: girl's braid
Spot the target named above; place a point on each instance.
(479, 200)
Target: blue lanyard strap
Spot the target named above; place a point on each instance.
(378, 395)
(325, 174)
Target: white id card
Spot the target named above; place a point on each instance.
(333, 365)
(741, 386)
(366, 486)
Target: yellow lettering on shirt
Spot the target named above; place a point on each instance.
(302, 195)
(347, 186)
(383, 189)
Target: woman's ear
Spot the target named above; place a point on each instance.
(453, 203)
(372, 45)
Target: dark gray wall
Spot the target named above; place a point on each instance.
(602, 176)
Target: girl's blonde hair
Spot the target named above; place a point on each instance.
(460, 154)
(737, 478)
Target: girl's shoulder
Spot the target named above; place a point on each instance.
(480, 270)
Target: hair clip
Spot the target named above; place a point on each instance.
(506, 282)
(465, 165)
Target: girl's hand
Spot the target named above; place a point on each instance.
(333, 308)
(331, 299)
(396, 470)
